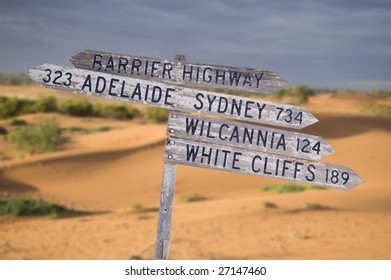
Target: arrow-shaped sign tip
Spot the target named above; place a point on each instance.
(355, 180)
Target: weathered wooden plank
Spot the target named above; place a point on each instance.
(212, 156)
(179, 72)
(156, 94)
(247, 136)
(165, 211)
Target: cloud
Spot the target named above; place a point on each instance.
(306, 41)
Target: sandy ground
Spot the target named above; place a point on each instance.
(108, 173)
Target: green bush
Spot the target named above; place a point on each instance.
(289, 188)
(380, 93)
(3, 130)
(17, 122)
(18, 79)
(42, 138)
(378, 110)
(75, 129)
(121, 112)
(192, 198)
(157, 115)
(315, 206)
(296, 94)
(10, 107)
(23, 207)
(268, 204)
(44, 105)
(77, 107)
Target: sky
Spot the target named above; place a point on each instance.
(319, 43)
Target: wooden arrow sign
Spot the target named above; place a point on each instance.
(246, 136)
(156, 94)
(179, 72)
(212, 156)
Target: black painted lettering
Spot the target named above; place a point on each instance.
(136, 64)
(247, 79)
(234, 78)
(262, 137)
(123, 62)
(248, 109)
(310, 169)
(206, 155)
(285, 167)
(261, 107)
(168, 96)
(235, 134)
(191, 126)
(265, 167)
(249, 135)
(112, 86)
(211, 100)
(146, 92)
(137, 92)
(167, 67)
(235, 160)
(100, 81)
(156, 94)
(208, 135)
(277, 166)
(223, 105)
(97, 61)
(236, 106)
(146, 67)
(198, 98)
(187, 72)
(281, 142)
(154, 67)
(297, 168)
(225, 152)
(87, 83)
(258, 77)
(255, 170)
(205, 77)
(110, 64)
(123, 90)
(216, 157)
(191, 153)
(221, 134)
(220, 74)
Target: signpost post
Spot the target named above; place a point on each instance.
(202, 141)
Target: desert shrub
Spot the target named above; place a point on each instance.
(41, 138)
(10, 107)
(192, 198)
(289, 188)
(380, 93)
(23, 207)
(3, 130)
(17, 122)
(75, 129)
(141, 209)
(77, 107)
(295, 95)
(44, 105)
(378, 110)
(121, 112)
(157, 115)
(18, 79)
(315, 206)
(284, 188)
(268, 204)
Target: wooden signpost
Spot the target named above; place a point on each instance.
(202, 141)
(246, 136)
(179, 71)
